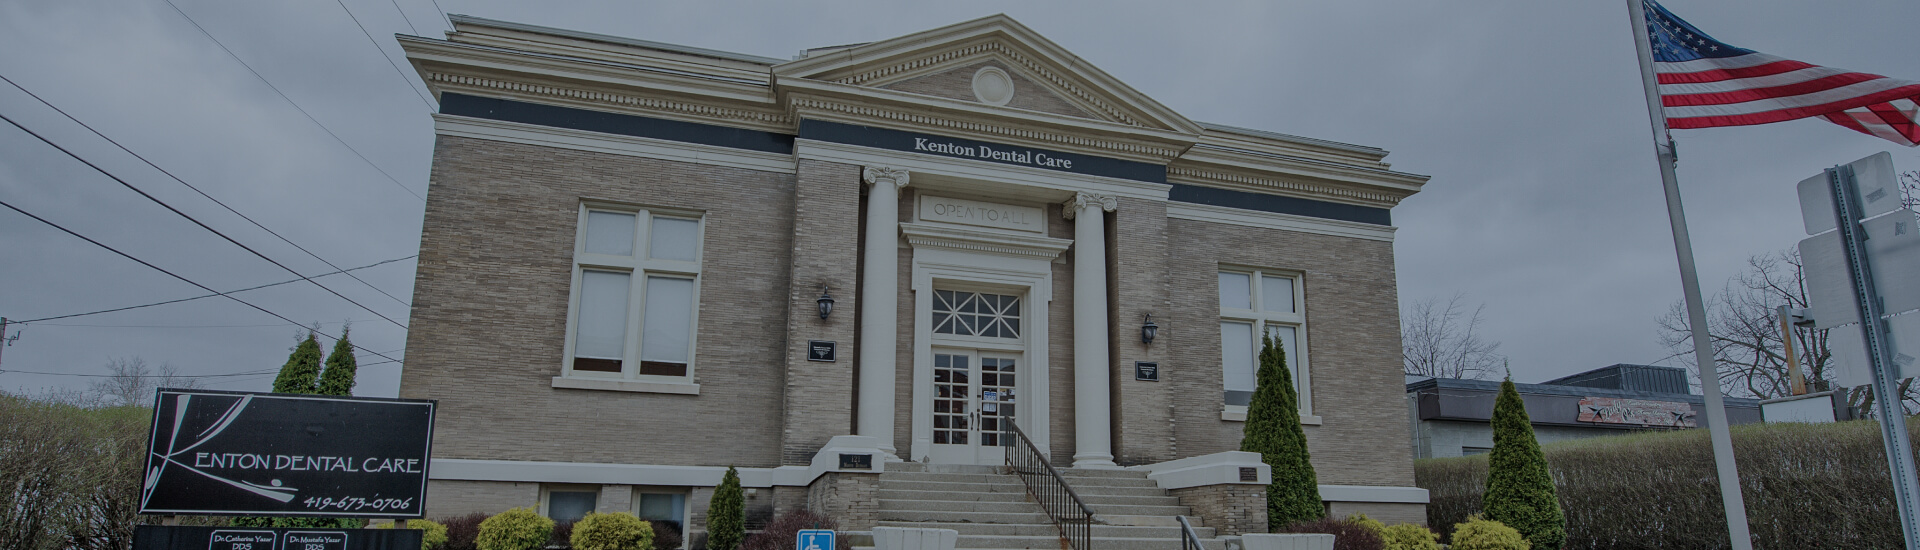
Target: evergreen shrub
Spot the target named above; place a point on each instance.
(302, 370)
(1369, 523)
(1520, 490)
(1407, 536)
(338, 379)
(615, 531)
(1273, 430)
(515, 529)
(1347, 534)
(666, 534)
(1484, 534)
(726, 511)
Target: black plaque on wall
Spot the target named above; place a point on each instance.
(821, 350)
(1148, 371)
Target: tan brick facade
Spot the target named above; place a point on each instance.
(784, 215)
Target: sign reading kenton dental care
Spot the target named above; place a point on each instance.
(984, 214)
(1003, 153)
(262, 454)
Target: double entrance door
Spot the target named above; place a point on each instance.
(974, 397)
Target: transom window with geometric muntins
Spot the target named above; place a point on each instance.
(976, 314)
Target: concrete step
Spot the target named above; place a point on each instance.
(1046, 529)
(1076, 481)
(1029, 515)
(1009, 496)
(1022, 506)
(1053, 542)
(1013, 485)
(1118, 474)
(1139, 510)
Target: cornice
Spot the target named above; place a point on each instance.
(914, 113)
(1031, 246)
(1212, 178)
(772, 120)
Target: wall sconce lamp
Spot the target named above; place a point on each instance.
(826, 302)
(1147, 331)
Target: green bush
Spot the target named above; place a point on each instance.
(433, 535)
(1656, 489)
(1485, 534)
(1407, 536)
(1520, 490)
(1273, 430)
(515, 529)
(1347, 534)
(1369, 523)
(726, 522)
(615, 531)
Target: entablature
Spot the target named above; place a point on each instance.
(1293, 176)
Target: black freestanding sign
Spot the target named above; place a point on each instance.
(263, 454)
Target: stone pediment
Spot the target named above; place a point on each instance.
(981, 61)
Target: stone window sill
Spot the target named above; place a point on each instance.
(1239, 414)
(607, 384)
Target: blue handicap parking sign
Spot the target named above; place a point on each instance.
(814, 539)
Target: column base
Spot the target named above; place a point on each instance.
(1095, 463)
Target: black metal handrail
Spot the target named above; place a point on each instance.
(1045, 485)
(1189, 539)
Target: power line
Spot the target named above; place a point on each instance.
(403, 17)
(282, 238)
(443, 14)
(289, 281)
(196, 221)
(296, 106)
(82, 325)
(252, 373)
(383, 54)
(171, 274)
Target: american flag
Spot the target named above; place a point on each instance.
(1705, 83)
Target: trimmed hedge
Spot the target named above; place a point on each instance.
(1485, 534)
(615, 531)
(1806, 486)
(515, 529)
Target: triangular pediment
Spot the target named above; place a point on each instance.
(944, 63)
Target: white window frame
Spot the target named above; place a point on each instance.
(639, 266)
(547, 490)
(686, 506)
(1297, 362)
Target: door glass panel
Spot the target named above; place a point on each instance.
(996, 398)
(951, 383)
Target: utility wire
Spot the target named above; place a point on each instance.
(289, 281)
(196, 221)
(296, 106)
(171, 274)
(443, 15)
(383, 54)
(282, 238)
(253, 373)
(409, 20)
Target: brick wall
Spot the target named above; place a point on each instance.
(851, 499)
(449, 498)
(490, 309)
(1229, 509)
(1353, 346)
(819, 396)
(1137, 286)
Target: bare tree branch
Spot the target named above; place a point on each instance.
(1442, 341)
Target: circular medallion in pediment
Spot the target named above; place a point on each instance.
(992, 86)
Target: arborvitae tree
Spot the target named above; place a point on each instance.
(341, 368)
(1273, 430)
(726, 525)
(1520, 491)
(302, 368)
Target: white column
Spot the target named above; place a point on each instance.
(1093, 426)
(879, 305)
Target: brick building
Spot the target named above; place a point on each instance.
(627, 246)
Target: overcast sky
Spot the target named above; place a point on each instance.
(1545, 204)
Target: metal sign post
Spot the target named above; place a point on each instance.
(1886, 386)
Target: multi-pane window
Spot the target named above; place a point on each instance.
(635, 294)
(665, 507)
(1255, 303)
(569, 503)
(976, 314)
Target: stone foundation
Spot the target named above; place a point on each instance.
(1231, 509)
(851, 499)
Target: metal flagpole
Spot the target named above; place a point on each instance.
(1729, 476)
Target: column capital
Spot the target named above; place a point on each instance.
(1081, 200)
(874, 175)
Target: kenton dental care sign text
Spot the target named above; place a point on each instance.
(250, 461)
(1027, 157)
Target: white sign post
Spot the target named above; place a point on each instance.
(1861, 264)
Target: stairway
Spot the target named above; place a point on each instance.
(992, 510)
